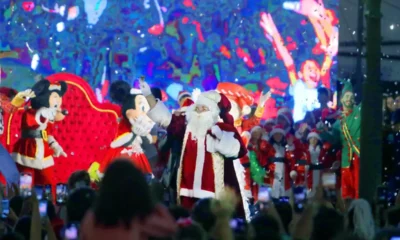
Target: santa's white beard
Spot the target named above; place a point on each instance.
(199, 123)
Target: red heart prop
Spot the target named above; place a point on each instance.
(28, 6)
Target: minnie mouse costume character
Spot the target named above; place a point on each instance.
(135, 129)
(8, 169)
(35, 150)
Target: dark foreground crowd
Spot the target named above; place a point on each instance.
(126, 206)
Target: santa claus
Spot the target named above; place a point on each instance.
(208, 147)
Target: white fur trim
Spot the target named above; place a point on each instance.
(183, 109)
(265, 137)
(218, 168)
(314, 154)
(228, 145)
(121, 140)
(269, 120)
(160, 114)
(200, 159)
(38, 162)
(277, 130)
(135, 91)
(313, 134)
(285, 117)
(240, 176)
(290, 147)
(210, 142)
(256, 128)
(184, 93)
(211, 104)
(279, 151)
(198, 193)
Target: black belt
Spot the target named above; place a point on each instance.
(34, 134)
(301, 162)
(317, 167)
(277, 160)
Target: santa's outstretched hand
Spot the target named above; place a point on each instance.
(224, 143)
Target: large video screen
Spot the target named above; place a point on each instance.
(286, 47)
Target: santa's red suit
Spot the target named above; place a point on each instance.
(300, 167)
(32, 151)
(206, 163)
(126, 145)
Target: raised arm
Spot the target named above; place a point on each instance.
(273, 35)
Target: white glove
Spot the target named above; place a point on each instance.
(145, 88)
(58, 150)
(228, 145)
(142, 126)
(210, 143)
(216, 131)
(49, 113)
(26, 94)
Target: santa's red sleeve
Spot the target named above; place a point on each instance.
(177, 127)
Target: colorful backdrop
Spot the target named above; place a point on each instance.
(176, 44)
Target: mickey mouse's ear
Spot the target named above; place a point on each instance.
(41, 86)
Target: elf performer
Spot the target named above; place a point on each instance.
(134, 129)
(35, 150)
(208, 148)
(280, 161)
(346, 131)
(8, 168)
(258, 151)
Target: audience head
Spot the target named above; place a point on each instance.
(23, 227)
(179, 212)
(16, 204)
(328, 224)
(360, 219)
(78, 179)
(79, 202)
(323, 96)
(123, 195)
(203, 215)
(265, 227)
(285, 213)
(191, 231)
(13, 236)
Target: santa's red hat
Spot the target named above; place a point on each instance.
(286, 113)
(277, 129)
(183, 96)
(185, 104)
(217, 103)
(314, 133)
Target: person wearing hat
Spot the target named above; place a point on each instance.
(207, 138)
(346, 132)
(280, 158)
(10, 101)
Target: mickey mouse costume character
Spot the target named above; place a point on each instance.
(8, 168)
(35, 150)
(135, 129)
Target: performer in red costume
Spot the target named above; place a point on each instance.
(135, 129)
(35, 150)
(8, 170)
(280, 161)
(258, 155)
(208, 148)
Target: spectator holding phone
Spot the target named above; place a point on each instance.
(124, 208)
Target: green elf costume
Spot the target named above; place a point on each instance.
(346, 132)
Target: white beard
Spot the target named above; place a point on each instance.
(200, 123)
